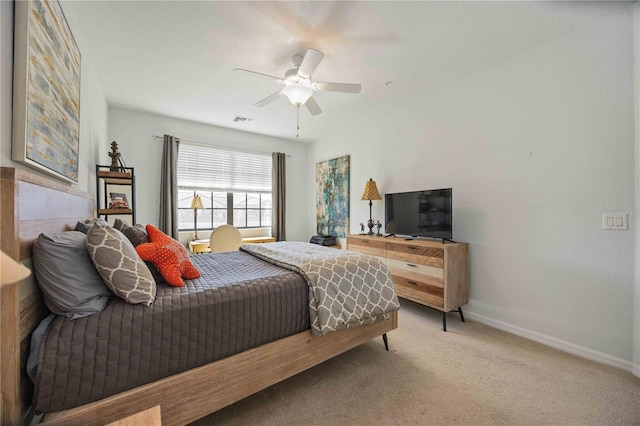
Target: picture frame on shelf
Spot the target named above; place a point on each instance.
(118, 201)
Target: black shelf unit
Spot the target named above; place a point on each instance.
(106, 177)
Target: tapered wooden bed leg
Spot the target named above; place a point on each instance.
(386, 343)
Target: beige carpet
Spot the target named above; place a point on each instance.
(470, 375)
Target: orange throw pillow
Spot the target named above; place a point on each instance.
(169, 256)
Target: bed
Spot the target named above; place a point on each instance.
(184, 396)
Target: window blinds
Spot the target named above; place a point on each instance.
(215, 169)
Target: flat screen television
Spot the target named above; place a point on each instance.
(420, 214)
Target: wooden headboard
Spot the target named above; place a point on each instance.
(30, 204)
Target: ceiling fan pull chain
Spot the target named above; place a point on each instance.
(298, 121)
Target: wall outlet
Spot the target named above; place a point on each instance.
(616, 221)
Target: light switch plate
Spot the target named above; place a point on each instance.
(617, 221)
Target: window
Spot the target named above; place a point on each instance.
(235, 187)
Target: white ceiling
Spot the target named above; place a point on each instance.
(177, 58)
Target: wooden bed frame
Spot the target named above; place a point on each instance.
(31, 204)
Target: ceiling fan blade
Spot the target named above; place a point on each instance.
(259, 74)
(338, 87)
(312, 106)
(268, 99)
(310, 62)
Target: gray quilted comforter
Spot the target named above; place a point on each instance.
(240, 302)
(346, 289)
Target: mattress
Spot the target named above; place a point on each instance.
(238, 303)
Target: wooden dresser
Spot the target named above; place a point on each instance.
(424, 271)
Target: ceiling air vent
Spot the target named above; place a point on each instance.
(239, 119)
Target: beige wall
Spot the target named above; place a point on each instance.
(536, 148)
(93, 106)
(636, 333)
(134, 131)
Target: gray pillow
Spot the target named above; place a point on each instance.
(120, 225)
(119, 265)
(70, 284)
(138, 235)
(84, 227)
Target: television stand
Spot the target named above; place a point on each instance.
(428, 272)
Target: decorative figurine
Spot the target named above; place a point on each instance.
(361, 228)
(379, 225)
(115, 157)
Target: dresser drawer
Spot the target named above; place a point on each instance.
(368, 246)
(419, 292)
(416, 254)
(416, 272)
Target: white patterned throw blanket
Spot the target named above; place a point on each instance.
(346, 289)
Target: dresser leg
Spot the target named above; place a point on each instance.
(384, 339)
(444, 317)
(460, 312)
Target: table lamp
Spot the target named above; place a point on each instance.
(370, 193)
(196, 203)
(11, 271)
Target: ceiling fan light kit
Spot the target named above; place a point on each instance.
(298, 90)
(298, 85)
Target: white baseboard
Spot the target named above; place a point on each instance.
(557, 343)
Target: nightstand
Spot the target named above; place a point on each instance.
(199, 246)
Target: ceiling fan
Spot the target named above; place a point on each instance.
(298, 85)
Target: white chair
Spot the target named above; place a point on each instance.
(225, 238)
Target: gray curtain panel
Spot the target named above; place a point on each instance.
(169, 187)
(279, 191)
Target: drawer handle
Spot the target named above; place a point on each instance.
(365, 241)
(412, 282)
(412, 247)
(412, 265)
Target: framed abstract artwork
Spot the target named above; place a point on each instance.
(46, 91)
(332, 197)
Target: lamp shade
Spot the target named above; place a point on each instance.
(196, 203)
(298, 94)
(11, 271)
(371, 191)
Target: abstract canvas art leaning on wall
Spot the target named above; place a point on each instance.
(332, 197)
(46, 98)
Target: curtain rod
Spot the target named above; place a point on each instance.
(219, 147)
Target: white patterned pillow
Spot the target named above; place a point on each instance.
(119, 265)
